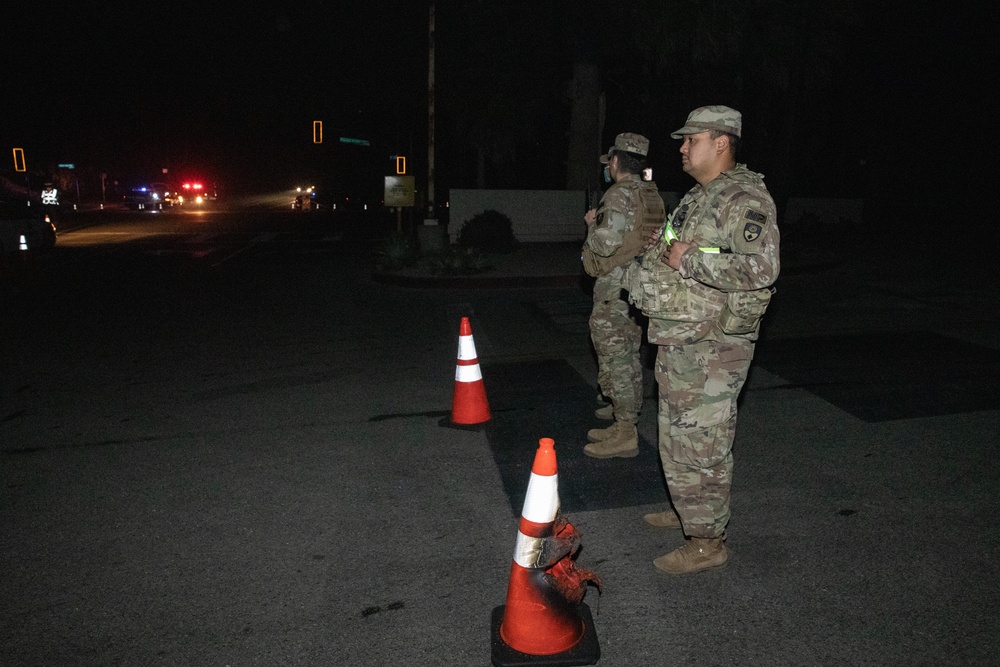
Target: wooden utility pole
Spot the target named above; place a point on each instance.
(431, 219)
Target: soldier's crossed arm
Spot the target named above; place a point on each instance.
(752, 262)
(615, 217)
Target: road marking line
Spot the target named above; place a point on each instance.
(233, 254)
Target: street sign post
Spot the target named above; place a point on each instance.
(399, 193)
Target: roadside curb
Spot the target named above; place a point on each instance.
(478, 281)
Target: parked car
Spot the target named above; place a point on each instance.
(25, 227)
(195, 194)
(153, 197)
(305, 200)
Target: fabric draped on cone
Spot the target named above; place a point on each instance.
(569, 579)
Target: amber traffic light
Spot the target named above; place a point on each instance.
(19, 160)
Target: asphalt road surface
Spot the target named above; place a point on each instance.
(223, 443)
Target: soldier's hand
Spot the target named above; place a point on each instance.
(672, 255)
(653, 238)
(590, 217)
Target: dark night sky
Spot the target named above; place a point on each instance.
(233, 91)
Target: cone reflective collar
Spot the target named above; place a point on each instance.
(469, 405)
(23, 244)
(541, 504)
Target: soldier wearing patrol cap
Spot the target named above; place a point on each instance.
(617, 231)
(704, 286)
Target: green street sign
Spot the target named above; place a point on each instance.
(357, 142)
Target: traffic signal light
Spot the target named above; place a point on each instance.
(400, 164)
(19, 160)
(317, 131)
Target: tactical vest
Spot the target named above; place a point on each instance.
(649, 217)
(661, 292)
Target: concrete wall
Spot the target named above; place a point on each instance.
(535, 215)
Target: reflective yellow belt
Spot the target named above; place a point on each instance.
(668, 234)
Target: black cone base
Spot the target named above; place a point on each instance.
(586, 652)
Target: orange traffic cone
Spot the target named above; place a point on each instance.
(469, 405)
(24, 253)
(544, 621)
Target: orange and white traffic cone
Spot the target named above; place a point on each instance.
(24, 253)
(469, 405)
(544, 621)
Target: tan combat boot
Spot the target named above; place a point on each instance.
(623, 441)
(667, 519)
(599, 434)
(697, 554)
(607, 412)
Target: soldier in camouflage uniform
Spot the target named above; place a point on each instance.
(618, 230)
(704, 287)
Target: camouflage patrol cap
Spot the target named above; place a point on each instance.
(630, 143)
(715, 117)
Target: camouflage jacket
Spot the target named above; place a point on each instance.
(629, 212)
(723, 282)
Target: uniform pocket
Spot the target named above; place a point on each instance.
(743, 310)
(703, 448)
(665, 295)
(704, 386)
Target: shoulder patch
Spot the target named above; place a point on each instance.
(756, 216)
(751, 231)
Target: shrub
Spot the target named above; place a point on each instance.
(458, 261)
(489, 231)
(398, 252)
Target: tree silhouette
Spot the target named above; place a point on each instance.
(503, 84)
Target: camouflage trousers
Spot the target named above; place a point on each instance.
(617, 339)
(698, 388)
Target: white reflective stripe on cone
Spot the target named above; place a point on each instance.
(541, 502)
(466, 348)
(527, 550)
(468, 373)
